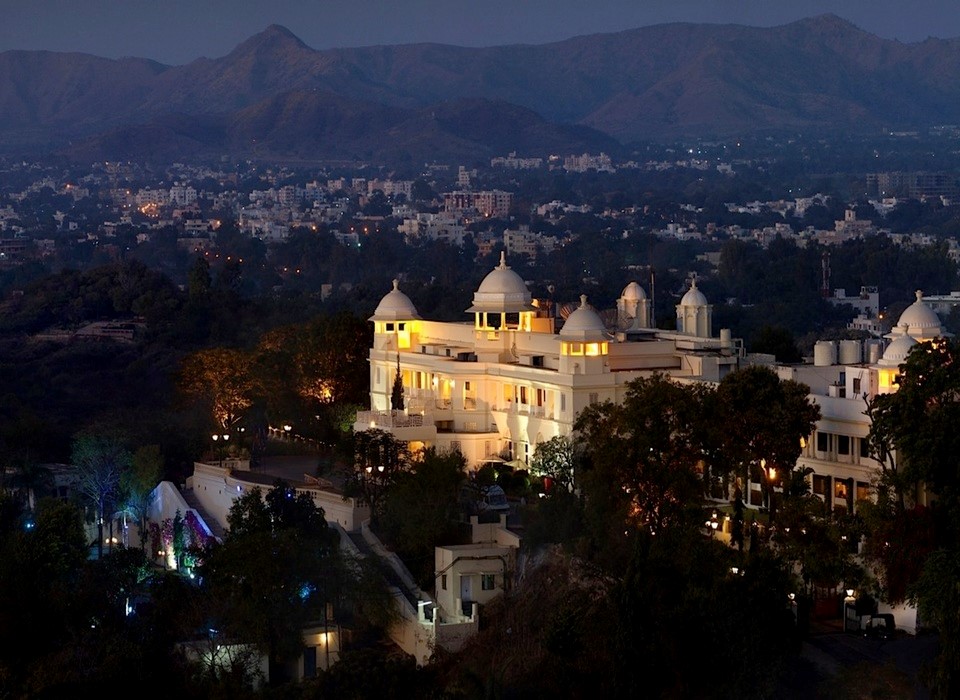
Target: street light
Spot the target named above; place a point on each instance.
(771, 475)
(712, 524)
(220, 441)
(372, 486)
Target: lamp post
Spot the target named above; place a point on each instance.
(373, 482)
(220, 442)
(712, 524)
(771, 474)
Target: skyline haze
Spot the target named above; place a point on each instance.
(179, 31)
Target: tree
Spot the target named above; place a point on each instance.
(379, 458)
(137, 486)
(313, 370)
(421, 507)
(396, 394)
(920, 417)
(275, 571)
(220, 378)
(919, 422)
(332, 360)
(39, 569)
(198, 285)
(764, 420)
(938, 596)
(554, 459)
(894, 486)
(30, 479)
(100, 459)
(641, 461)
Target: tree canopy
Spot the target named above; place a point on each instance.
(274, 572)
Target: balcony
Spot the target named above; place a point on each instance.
(523, 409)
(389, 419)
(403, 425)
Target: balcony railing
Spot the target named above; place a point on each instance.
(525, 409)
(389, 419)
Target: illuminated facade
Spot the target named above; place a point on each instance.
(507, 379)
(842, 378)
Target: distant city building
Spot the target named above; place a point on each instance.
(912, 185)
(489, 203)
(514, 163)
(582, 163)
(867, 302)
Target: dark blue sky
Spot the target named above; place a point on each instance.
(177, 31)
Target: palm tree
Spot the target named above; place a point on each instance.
(29, 479)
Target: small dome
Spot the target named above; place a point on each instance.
(693, 297)
(502, 290)
(897, 351)
(395, 306)
(633, 292)
(584, 324)
(922, 320)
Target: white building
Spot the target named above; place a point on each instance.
(508, 380)
(843, 377)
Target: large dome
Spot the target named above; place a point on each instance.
(633, 292)
(395, 306)
(923, 321)
(584, 324)
(693, 297)
(502, 291)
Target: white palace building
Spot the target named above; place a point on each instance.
(507, 380)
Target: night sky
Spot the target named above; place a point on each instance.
(178, 31)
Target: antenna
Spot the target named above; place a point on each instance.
(653, 299)
(825, 275)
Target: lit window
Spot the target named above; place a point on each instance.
(840, 489)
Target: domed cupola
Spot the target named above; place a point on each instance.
(633, 308)
(694, 314)
(395, 320)
(693, 297)
(897, 351)
(584, 325)
(584, 341)
(502, 300)
(888, 368)
(633, 292)
(395, 306)
(923, 322)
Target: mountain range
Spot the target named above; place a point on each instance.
(275, 96)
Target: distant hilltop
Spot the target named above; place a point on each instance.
(275, 95)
